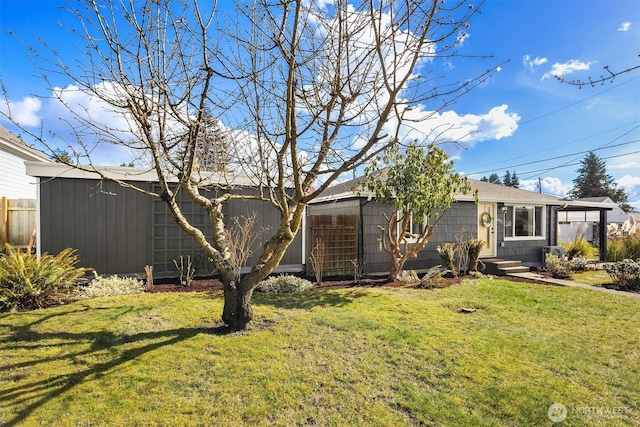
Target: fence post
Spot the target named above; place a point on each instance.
(5, 220)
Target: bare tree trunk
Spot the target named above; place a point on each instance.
(396, 268)
(237, 311)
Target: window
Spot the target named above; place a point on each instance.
(524, 222)
(415, 228)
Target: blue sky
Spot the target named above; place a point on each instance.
(524, 119)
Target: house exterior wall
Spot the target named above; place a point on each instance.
(528, 251)
(14, 181)
(459, 221)
(118, 230)
(109, 226)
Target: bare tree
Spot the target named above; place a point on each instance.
(242, 236)
(311, 90)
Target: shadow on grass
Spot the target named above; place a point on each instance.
(27, 396)
(308, 299)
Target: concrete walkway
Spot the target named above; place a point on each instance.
(540, 278)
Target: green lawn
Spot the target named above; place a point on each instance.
(353, 357)
(592, 277)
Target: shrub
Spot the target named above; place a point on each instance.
(625, 273)
(579, 263)
(110, 287)
(433, 273)
(26, 281)
(447, 253)
(620, 248)
(284, 284)
(474, 246)
(559, 268)
(408, 276)
(579, 247)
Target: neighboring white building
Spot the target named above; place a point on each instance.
(570, 223)
(14, 181)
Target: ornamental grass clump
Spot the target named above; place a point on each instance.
(26, 281)
(110, 287)
(284, 284)
(620, 248)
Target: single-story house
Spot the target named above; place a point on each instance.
(587, 222)
(515, 224)
(117, 230)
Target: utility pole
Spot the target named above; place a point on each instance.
(540, 185)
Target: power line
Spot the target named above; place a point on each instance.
(552, 148)
(535, 172)
(559, 157)
(578, 102)
(601, 147)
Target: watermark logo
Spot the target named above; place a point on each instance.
(557, 412)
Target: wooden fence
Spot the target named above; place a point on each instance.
(18, 222)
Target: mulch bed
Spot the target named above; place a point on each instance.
(209, 284)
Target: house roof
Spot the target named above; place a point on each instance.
(123, 173)
(16, 146)
(602, 199)
(487, 192)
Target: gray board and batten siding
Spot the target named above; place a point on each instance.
(117, 230)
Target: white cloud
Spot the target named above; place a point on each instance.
(550, 185)
(629, 182)
(532, 64)
(565, 68)
(24, 112)
(632, 164)
(625, 26)
(448, 126)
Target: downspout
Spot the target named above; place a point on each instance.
(361, 204)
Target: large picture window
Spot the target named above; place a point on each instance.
(524, 222)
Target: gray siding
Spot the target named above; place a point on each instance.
(459, 221)
(108, 225)
(528, 251)
(117, 230)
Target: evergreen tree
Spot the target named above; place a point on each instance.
(593, 181)
(495, 179)
(515, 181)
(506, 180)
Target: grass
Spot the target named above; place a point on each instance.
(592, 277)
(360, 356)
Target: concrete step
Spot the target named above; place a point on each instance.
(513, 270)
(506, 264)
(503, 267)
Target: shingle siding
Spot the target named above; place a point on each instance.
(459, 221)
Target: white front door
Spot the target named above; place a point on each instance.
(486, 228)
